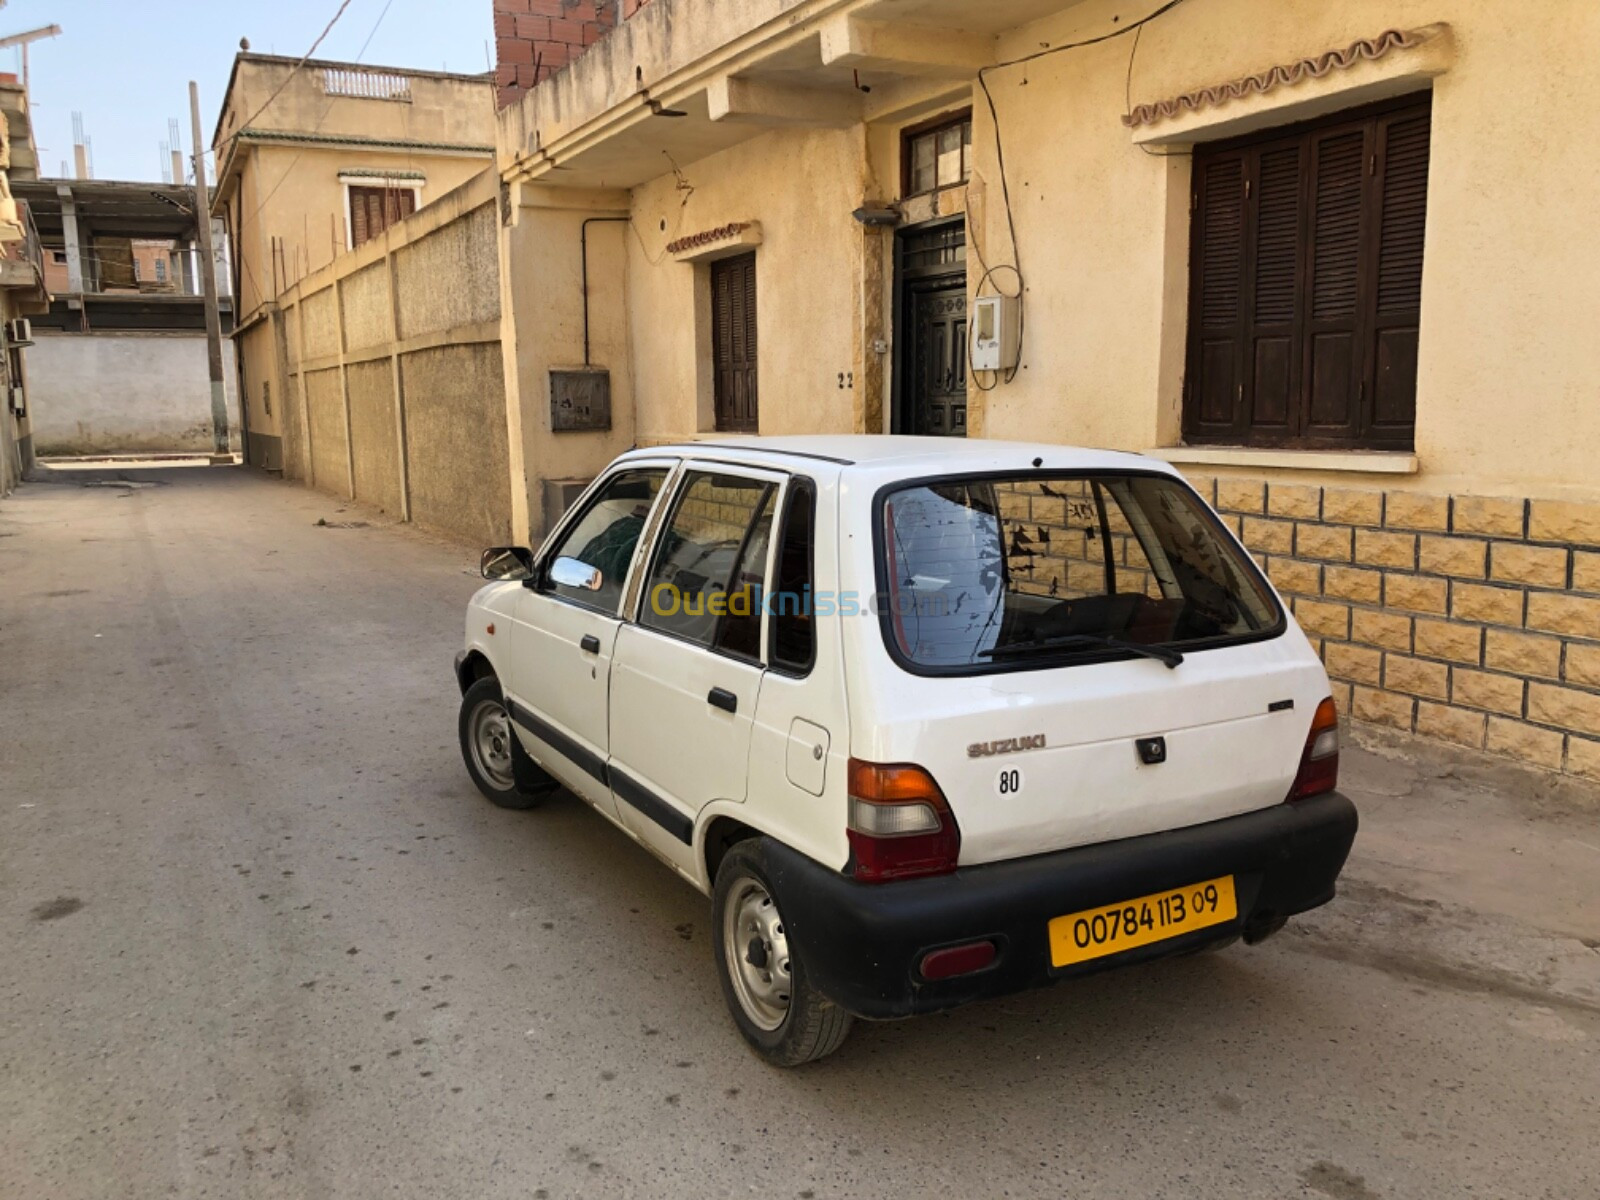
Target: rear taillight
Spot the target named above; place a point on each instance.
(899, 824)
(1319, 765)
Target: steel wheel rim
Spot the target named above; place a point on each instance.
(757, 951)
(489, 736)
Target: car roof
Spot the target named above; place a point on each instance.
(910, 457)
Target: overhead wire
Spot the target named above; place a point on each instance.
(317, 128)
(304, 58)
(1015, 265)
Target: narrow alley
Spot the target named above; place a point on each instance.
(262, 937)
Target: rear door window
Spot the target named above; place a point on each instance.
(708, 579)
(1030, 570)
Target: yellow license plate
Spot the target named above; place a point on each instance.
(1097, 932)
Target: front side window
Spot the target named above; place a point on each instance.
(710, 567)
(1000, 572)
(607, 535)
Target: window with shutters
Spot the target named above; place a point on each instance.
(733, 344)
(1306, 283)
(374, 209)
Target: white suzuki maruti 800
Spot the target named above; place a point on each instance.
(928, 720)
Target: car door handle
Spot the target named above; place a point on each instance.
(724, 699)
(590, 644)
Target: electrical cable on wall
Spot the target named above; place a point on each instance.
(1015, 265)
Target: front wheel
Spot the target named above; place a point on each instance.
(785, 1020)
(485, 731)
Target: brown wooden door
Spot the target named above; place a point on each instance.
(733, 344)
(1306, 283)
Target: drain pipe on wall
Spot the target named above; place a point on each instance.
(584, 242)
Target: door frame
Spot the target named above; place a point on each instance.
(905, 279)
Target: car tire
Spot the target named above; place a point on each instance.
(784, 1019)
(485, 731)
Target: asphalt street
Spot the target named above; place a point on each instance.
(260, 937)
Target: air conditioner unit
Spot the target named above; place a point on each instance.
(19, 332)
(19, 402)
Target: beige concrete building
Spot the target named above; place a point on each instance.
(385, 371)
(1337, 260)
(22, 288)
(321, 160)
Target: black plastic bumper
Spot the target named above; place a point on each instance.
(861, 943)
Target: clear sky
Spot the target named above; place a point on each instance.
(126, 64)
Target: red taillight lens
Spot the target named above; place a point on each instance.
(899, 824)
(957, 960)
(1319, 765)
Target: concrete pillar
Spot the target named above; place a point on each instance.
(69, 225)
(542, 328)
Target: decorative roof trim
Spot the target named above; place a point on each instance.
(1314, 67)
(293, 137)
(724, 240)
(369, 174)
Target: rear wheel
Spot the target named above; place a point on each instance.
(785, 1020)
(485, 731)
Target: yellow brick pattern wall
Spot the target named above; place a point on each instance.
(1471, 619)
(1054, 546)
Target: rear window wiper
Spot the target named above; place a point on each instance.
(1075, 641)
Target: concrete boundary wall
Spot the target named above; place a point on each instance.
(124, 392)
(389, 367)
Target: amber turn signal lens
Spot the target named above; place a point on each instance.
(898, 824)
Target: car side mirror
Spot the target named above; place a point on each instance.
(507, 564)
(571, 573)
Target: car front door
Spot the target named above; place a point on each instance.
(687, 674)
(566, 632)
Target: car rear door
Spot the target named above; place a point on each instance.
(564, 636)
(687, 673)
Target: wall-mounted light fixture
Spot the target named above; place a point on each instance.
(876, 216)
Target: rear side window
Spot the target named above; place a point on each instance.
(709, 568)
(793, 629)
(992, 572)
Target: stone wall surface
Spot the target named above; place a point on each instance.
(1473, 619)
(394, 374)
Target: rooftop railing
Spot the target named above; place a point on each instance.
(361, 84)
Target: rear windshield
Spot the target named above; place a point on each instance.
(1035, 570)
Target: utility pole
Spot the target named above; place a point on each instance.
(221, 452)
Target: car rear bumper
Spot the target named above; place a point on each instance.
(861, 944)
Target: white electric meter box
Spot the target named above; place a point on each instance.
(996, 333)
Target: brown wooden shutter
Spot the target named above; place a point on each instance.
(1214, 361)
(360, 227)
(733, 338)
(374, 209)
(1402, 163)
(1333, 337)
(1275, 217)
(1306, 278)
